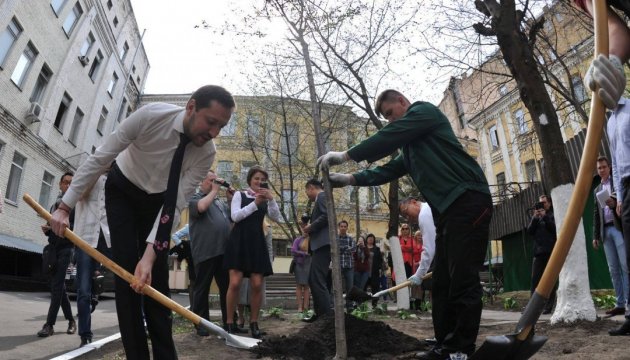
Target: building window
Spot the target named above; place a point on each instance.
(494, 137)
(109, 4)
(578, 88)
(230, 128)
(245, 165)
(115, 21)
(530, 170)
(15, 177)
(44, 193)
(503, 90)
(72, 18)
(76, 126)
(133, 69)
(121, 110)
(291, 137)
(8, 38)
(253, 126)
(24, 65)
(87, 44)
(138, 79)
(112, 84)
(61, 112)
(124, 51)
(289, 202)
(41, 84)
(224, 170)
(96, 64)
(129, 111)
(501, 184)
(552, 55)
(462, 122)
(373, 196)
(520, 121)
(57, 5)
(102, 120)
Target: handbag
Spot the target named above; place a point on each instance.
(49, 259)
(304, 244)
(292, 267)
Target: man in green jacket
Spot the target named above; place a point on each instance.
(456, 189)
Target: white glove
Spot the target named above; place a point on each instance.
(340, 180)
(608, 74)
(415, 280)
(332, 158)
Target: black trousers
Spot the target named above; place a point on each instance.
(320, 262)
(461, 243)
(205, 271)
(625, 221)
(58, 294)
(538, 268)
(131, 213)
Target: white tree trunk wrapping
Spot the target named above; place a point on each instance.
(574, 300)
(402, 295)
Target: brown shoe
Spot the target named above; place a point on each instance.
(72, 327)
(47, 330)
(616, 311)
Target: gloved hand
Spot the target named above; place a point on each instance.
(332, 158)
(341, 180)
(415, 280)
(608, 74)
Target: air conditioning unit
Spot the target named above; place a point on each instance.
(33, 113)
(84, 60)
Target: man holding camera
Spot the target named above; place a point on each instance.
(543, 228)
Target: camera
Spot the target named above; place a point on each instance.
(305, 218)
(264, 185)
(539, 205)
(224, 183)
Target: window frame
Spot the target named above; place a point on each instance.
(9, 196)
(13, 30)
(24, 65)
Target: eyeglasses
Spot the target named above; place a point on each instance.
(404, 228)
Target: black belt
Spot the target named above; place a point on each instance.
(609, 224)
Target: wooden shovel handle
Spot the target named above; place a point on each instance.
(115, 268)
(584, 177)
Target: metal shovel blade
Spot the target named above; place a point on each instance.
(241, 342)
(508, 347)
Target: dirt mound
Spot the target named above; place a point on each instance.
(317, 341)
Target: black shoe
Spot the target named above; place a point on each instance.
(72, 327)
(93, 302)
(624, 329)
(85, 340)
(47, 330)
(311, 319)
(616, 311)
(546, 312)
(256, 334)
(433, 354)
(430, 342)
(201, 331)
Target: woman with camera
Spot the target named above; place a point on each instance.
(301, 268)
(246, 254)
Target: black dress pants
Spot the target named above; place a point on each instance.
(538, 268)
(131, 214)
(205, 271)
(461, 243)
(320, 262)
(58, 294)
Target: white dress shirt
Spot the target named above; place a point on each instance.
(619, 139)
(427, 229)
(90, 216)
(238, 213)
(143, 146)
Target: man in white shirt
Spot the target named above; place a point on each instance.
(143, 146)
(414, 210)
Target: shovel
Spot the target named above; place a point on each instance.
(523, 343)
(358, 295)
(240, 342)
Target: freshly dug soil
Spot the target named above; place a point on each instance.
(316, 341)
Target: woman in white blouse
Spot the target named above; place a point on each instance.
(246, 254)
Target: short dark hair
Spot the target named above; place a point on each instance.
(343, 222)
(205, 94)
(67, 173)
(256, 169)
(387, 95)
(603, 158)
(314, 182)
(406, 200)
(546, 197)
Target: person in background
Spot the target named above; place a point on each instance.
(64, 249)
(247, 254)
(362, 269)
(90, 224)
(543, 228)
(346, 251)
(406, 246)
(376, 265)
(181, 239)
(301, 271)
(607, 230)
(416, 293)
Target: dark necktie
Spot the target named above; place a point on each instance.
(163, 235)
